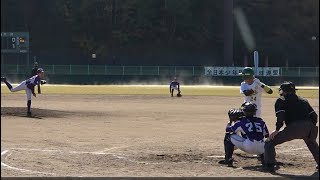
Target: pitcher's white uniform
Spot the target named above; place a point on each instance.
(256, 96)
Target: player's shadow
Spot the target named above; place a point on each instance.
(37, 113)
(315, 175)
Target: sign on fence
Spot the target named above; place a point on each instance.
(234, 71)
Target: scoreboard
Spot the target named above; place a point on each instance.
(14, 42)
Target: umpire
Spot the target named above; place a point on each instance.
(34, 69)
(300, 120)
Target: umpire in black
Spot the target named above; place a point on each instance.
(300, 120)
(34, 69)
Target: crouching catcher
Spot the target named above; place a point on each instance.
(244, 131)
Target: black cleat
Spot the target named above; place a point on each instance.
(3, 79)
(227, 162)
(29, 114)
(269, 168)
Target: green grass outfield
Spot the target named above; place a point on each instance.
(309, 92)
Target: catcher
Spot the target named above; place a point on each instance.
(252, 131)
(175, 85)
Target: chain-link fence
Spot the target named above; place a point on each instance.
(141, 70)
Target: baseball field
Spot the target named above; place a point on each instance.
(135, 130)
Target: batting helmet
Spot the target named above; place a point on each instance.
(247, 73)
(249, 109)
(288, 87)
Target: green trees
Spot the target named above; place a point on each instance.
(162, 32)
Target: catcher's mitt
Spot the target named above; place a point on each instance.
(235, 114)
(179, 95)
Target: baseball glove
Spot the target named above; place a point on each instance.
(43, 82)
(235, 114)
(179, 95)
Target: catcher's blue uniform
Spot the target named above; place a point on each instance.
(252, 128)
(247, 134)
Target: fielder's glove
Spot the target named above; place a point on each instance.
(235, 114)
(179, 95)
(43, 82)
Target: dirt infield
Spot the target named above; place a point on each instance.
(132, 135)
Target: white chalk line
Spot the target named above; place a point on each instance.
(48, 150)
(103, 152)
(4, 152)
(291, 150)
(20, 169)
(7, 156)
(215, 156)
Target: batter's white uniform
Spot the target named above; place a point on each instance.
(256, 96)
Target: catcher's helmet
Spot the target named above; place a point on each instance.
(235, 112)
(231, 111)
(288, 87)
(249, 109)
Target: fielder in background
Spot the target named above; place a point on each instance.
(27, 85)
(300, 120)
(252, 88)
(175, 85)
(34, 72)
(244, 131)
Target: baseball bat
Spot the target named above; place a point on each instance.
(256, 62)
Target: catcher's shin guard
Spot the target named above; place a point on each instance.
(228, 147)
(261, 158)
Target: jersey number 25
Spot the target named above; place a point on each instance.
(256, 125)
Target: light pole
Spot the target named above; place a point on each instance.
(314, 38)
